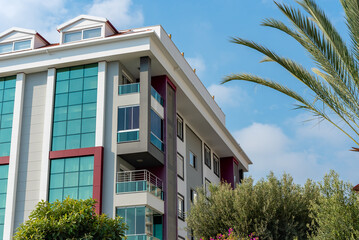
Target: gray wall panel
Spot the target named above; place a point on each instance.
(28, 185)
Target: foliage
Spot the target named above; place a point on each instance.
(336, 212)
(333, 86)
(232, 236)
(70, 219)
(272, 208)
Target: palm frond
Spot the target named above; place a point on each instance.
(351, 9)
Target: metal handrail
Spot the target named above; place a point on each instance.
(139, 175)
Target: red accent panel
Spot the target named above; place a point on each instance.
(171, 83)
(235, 161)
(97, 152)
(4, 160)
(227, 174)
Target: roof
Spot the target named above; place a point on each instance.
(87, 17)
(356, 188)
(16, 29)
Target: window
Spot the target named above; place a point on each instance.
(207, 156)
(216, 165)
(75, 108)
(128, 124)
(3, 186)
(15, 46)
(180, 203)
(7, 97)
(192, 159)
(180, 166)
(179, 127)
(241, 175)
(156, 130)
(137, 218)
(82, 34)
(181, 238)
(207, 183)
(71, 177)
(193, 196)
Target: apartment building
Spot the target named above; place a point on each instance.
(119, 116)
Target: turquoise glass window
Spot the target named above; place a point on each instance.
(71, 177)
(134, 218)
(7, 97)
(3, 185)
(74, 123)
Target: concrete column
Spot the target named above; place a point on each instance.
(100, 110)
(46, 139)
(14, 156)
(145, 100)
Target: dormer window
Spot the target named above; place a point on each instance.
(15, 46)
(82, 34)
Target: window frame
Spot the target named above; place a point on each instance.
(193, 196)
(208, 164)
(181, 124)
(182, 217)
(216, 161)
(180, 155)
(194, 160)
(82, 34)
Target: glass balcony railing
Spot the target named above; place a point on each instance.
(128, 135)
(139, 181)
(156, 96)
(141, 237)
(157, 142)
(128, 88)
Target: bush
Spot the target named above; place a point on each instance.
(70, 219)
(272, 208)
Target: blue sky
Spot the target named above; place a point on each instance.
(276, 137)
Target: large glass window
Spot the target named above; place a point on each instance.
(180, 128)
(71, 177)
(7, 97)
(3, 186)
(207, 156)
(75, 107)
(156, 130)
(216, 165)
(180, 166)
(137, 218)
(128, 124)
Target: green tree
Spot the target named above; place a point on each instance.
(336, 213)
(272, 208)
(70, 219)
(334, 83)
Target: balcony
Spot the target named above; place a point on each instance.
(156, 96)
(128, 135)
(139, 181)
(128, 88)
(157, 142)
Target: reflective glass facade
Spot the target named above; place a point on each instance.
(71, 177)
(3, 185)
(156, 130)
(74, 123)
(7, 97)
(128, 124)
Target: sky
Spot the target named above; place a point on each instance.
(275, 136)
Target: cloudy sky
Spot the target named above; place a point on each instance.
(276, 137)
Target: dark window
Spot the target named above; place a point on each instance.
(240, 175)
(193, 196)
(128, 118)
(206, 186)
(181, 211)
(180, 166)
(156, 130)
(192, 159)
(207, 156)
(179, 127)
(181, 238)
(216, 165)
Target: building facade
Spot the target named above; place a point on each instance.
(119, 116)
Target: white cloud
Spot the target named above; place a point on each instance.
(302, 155)
(119, 12)
(227, 96)
(197, 63)
(45, 16)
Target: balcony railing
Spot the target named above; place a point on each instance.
(128, 88)
(157, 142)
(156, 96)
(139, 181)
(181, 214)
(140, 237)
(128, 135)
